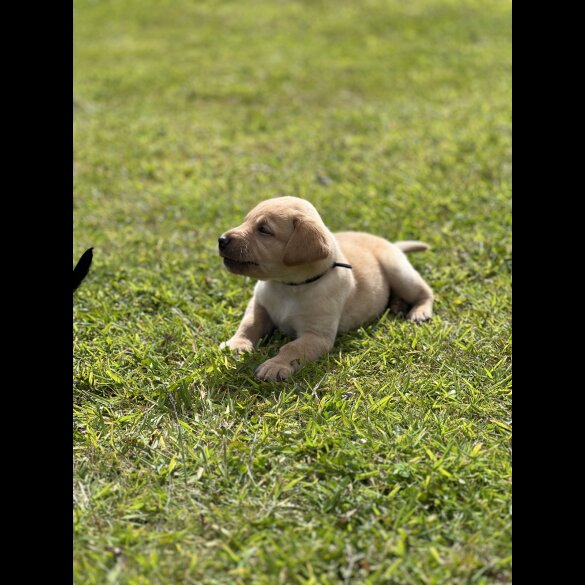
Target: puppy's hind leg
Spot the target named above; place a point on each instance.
(406, 283)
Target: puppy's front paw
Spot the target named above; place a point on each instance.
(274, 369)
(238, 345)
(420, 314)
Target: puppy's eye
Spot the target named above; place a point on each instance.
(263, 229)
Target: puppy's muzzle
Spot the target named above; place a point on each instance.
(223, 242)
(233, 257)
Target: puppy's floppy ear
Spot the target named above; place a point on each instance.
(307, 243)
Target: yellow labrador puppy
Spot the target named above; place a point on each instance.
(314, 284)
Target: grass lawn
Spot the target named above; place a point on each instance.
(386, 461)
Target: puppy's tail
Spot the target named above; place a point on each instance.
(412, 246)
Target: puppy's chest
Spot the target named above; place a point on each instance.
(289, 312)
(288, 315)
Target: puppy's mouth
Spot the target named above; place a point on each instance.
(232, 264)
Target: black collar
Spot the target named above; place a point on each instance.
(341, 264)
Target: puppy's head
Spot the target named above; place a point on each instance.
(280, 238)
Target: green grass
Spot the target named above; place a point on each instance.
(387, 461)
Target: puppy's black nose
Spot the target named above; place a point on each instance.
(223, 241)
